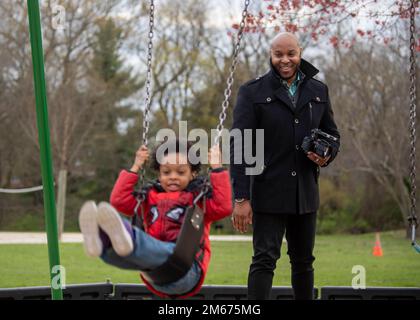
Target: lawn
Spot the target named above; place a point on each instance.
(27, 265)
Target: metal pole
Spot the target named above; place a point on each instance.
(45, 147)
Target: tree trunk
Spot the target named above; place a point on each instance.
(61, 200)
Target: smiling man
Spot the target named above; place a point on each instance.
(285, 56)
(287, 102)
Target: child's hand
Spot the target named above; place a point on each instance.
(142, 155)
(215, 157)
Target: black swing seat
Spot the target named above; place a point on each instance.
(186, 248)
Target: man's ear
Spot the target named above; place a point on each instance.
(301, 51)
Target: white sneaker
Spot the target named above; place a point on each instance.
(111, 223)
(90, 230)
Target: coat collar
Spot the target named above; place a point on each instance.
(309, 71)
(305, 67)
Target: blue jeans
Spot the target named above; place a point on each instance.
(148, 254)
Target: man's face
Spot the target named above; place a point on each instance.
(285, 57)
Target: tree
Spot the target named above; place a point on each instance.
(74, 100)
(367, 85)
(179, 48)
(325, 19)
(117, 84)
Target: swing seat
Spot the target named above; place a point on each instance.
(186, 248)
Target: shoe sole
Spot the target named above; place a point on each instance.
(89, 227)
(111, 223)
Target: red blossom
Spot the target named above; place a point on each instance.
(290, 27)
(250, 20)
(296, 4)
(319, 14)
(334, 41)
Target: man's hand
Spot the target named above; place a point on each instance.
(142, 155)
(317, 159)
(242, 216)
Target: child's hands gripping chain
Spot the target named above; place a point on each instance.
(215, 157)
(142, 155)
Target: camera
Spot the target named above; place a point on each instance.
(318, 142)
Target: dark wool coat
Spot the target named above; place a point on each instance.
(289, 181)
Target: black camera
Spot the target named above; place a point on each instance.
(318, 142)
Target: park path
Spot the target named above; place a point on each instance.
(41, 237)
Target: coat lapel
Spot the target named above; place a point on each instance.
(282, 95)
(306, 95)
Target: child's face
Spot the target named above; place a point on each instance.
(175, 173)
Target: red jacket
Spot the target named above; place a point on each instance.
(161, 209)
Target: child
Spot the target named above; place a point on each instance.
(118, 243)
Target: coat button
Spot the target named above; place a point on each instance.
(297, 147)
(268, 99)
(296, 121)
(317, 99)
(293, 173)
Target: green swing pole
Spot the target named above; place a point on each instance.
(45, 147)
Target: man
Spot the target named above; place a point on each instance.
(287, 102)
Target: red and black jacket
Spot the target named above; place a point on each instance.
(163, 212)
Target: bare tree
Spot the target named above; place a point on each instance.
(369, 89)
(72, 97)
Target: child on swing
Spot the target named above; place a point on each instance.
(117, 242)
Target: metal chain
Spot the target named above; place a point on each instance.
(146, 121)
(229, 82)
(137, 219)
(413, 218)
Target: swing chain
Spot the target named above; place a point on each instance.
(146, 121)
(412, 219)
(229, 82)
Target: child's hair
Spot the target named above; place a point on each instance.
(175, 144)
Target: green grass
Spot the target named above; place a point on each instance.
(27, 265)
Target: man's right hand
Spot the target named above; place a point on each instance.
(242, 216)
